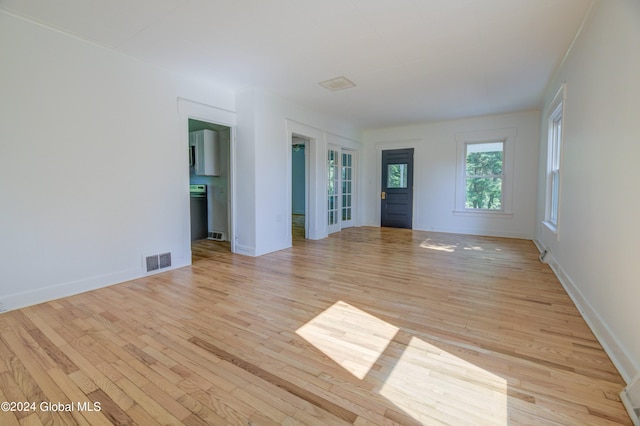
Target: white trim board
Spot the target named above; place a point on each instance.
(625, 364)
(473, 231)
(57, 291)
(189, 109)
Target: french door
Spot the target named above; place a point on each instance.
(346, 176)
(340, 188)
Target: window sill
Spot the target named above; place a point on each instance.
(483, 213)
(551, 227)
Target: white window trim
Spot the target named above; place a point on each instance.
(554, 111)
(508, 137)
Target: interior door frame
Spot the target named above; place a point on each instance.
(315, 228)
(188, 109)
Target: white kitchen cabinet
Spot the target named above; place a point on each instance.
(205, 148)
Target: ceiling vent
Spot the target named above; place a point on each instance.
(338, 83)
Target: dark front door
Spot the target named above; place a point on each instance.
(396, 199)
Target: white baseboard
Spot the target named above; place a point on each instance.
(474, 231)
(57, 291)
(246, 250)
(625, 364)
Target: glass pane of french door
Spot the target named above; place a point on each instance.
(333, 189)
(347, 188)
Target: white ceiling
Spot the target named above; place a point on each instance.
(412, 60)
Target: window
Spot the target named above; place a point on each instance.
(485, 167)
(484, 177)
(397, 175)
(554, 150)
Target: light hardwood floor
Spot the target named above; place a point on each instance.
(369, 326)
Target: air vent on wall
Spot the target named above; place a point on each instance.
(157, 261)
(216, 235)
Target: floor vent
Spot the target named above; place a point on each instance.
(631, 398)
(216, 235)
(165, 260)
(158, 261)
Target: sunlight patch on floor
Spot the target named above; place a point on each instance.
(432, 385)
(423, 381)
(434, 245)
(351, 337)
(476, 248)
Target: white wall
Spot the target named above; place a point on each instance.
(264, 140)
(93, 165)
(435, 162)
(244, 166)
(595, 251)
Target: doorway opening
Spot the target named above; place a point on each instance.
(299, 167)
(209, 188)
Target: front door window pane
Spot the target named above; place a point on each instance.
(396, 176)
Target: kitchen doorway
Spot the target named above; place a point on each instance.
(209, 148)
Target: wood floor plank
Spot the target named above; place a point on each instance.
(30, 376)
(101, 381)
(77, 398)
(371, 326)
(8, 418)
(214, 403)
(278, 381)
(147, 402)
(31, 420)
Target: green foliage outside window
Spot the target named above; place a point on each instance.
(484, 177)
(396, 176)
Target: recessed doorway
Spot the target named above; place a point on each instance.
(209, 150)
